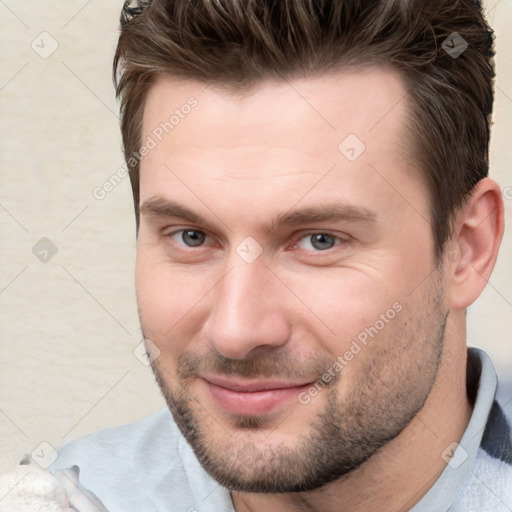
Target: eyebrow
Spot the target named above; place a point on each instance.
(162, 207)
(323, 213)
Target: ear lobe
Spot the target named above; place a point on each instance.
(475, 243)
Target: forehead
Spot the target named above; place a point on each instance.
(345, 129)
(365, 102)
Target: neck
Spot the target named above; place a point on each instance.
(400, 474)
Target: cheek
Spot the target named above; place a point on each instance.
(346, 302)
(161, 297)
(171, 301)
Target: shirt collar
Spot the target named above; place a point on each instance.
(481, 383)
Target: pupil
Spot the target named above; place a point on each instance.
(193, 238)
(322, 241)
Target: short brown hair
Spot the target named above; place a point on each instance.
(239, 43)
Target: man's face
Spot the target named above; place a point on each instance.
(285, 273)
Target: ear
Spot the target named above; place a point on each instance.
(473, 249)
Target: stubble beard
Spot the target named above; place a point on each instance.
(347, 432)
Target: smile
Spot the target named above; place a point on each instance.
(253, 397)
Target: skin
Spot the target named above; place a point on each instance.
(373, 437)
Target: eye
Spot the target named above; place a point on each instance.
(318, 241)
(189, 237)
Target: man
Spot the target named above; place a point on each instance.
(314, 217)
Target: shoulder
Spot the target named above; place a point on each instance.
(146, 465)
(489, 485)
(125, 445)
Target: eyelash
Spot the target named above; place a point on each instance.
(338, 240)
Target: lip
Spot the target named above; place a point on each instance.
(254, 397)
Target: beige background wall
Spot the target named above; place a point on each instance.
(69, 325)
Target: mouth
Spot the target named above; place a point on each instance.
(254, 397)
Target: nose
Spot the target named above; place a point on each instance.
(247, 311)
